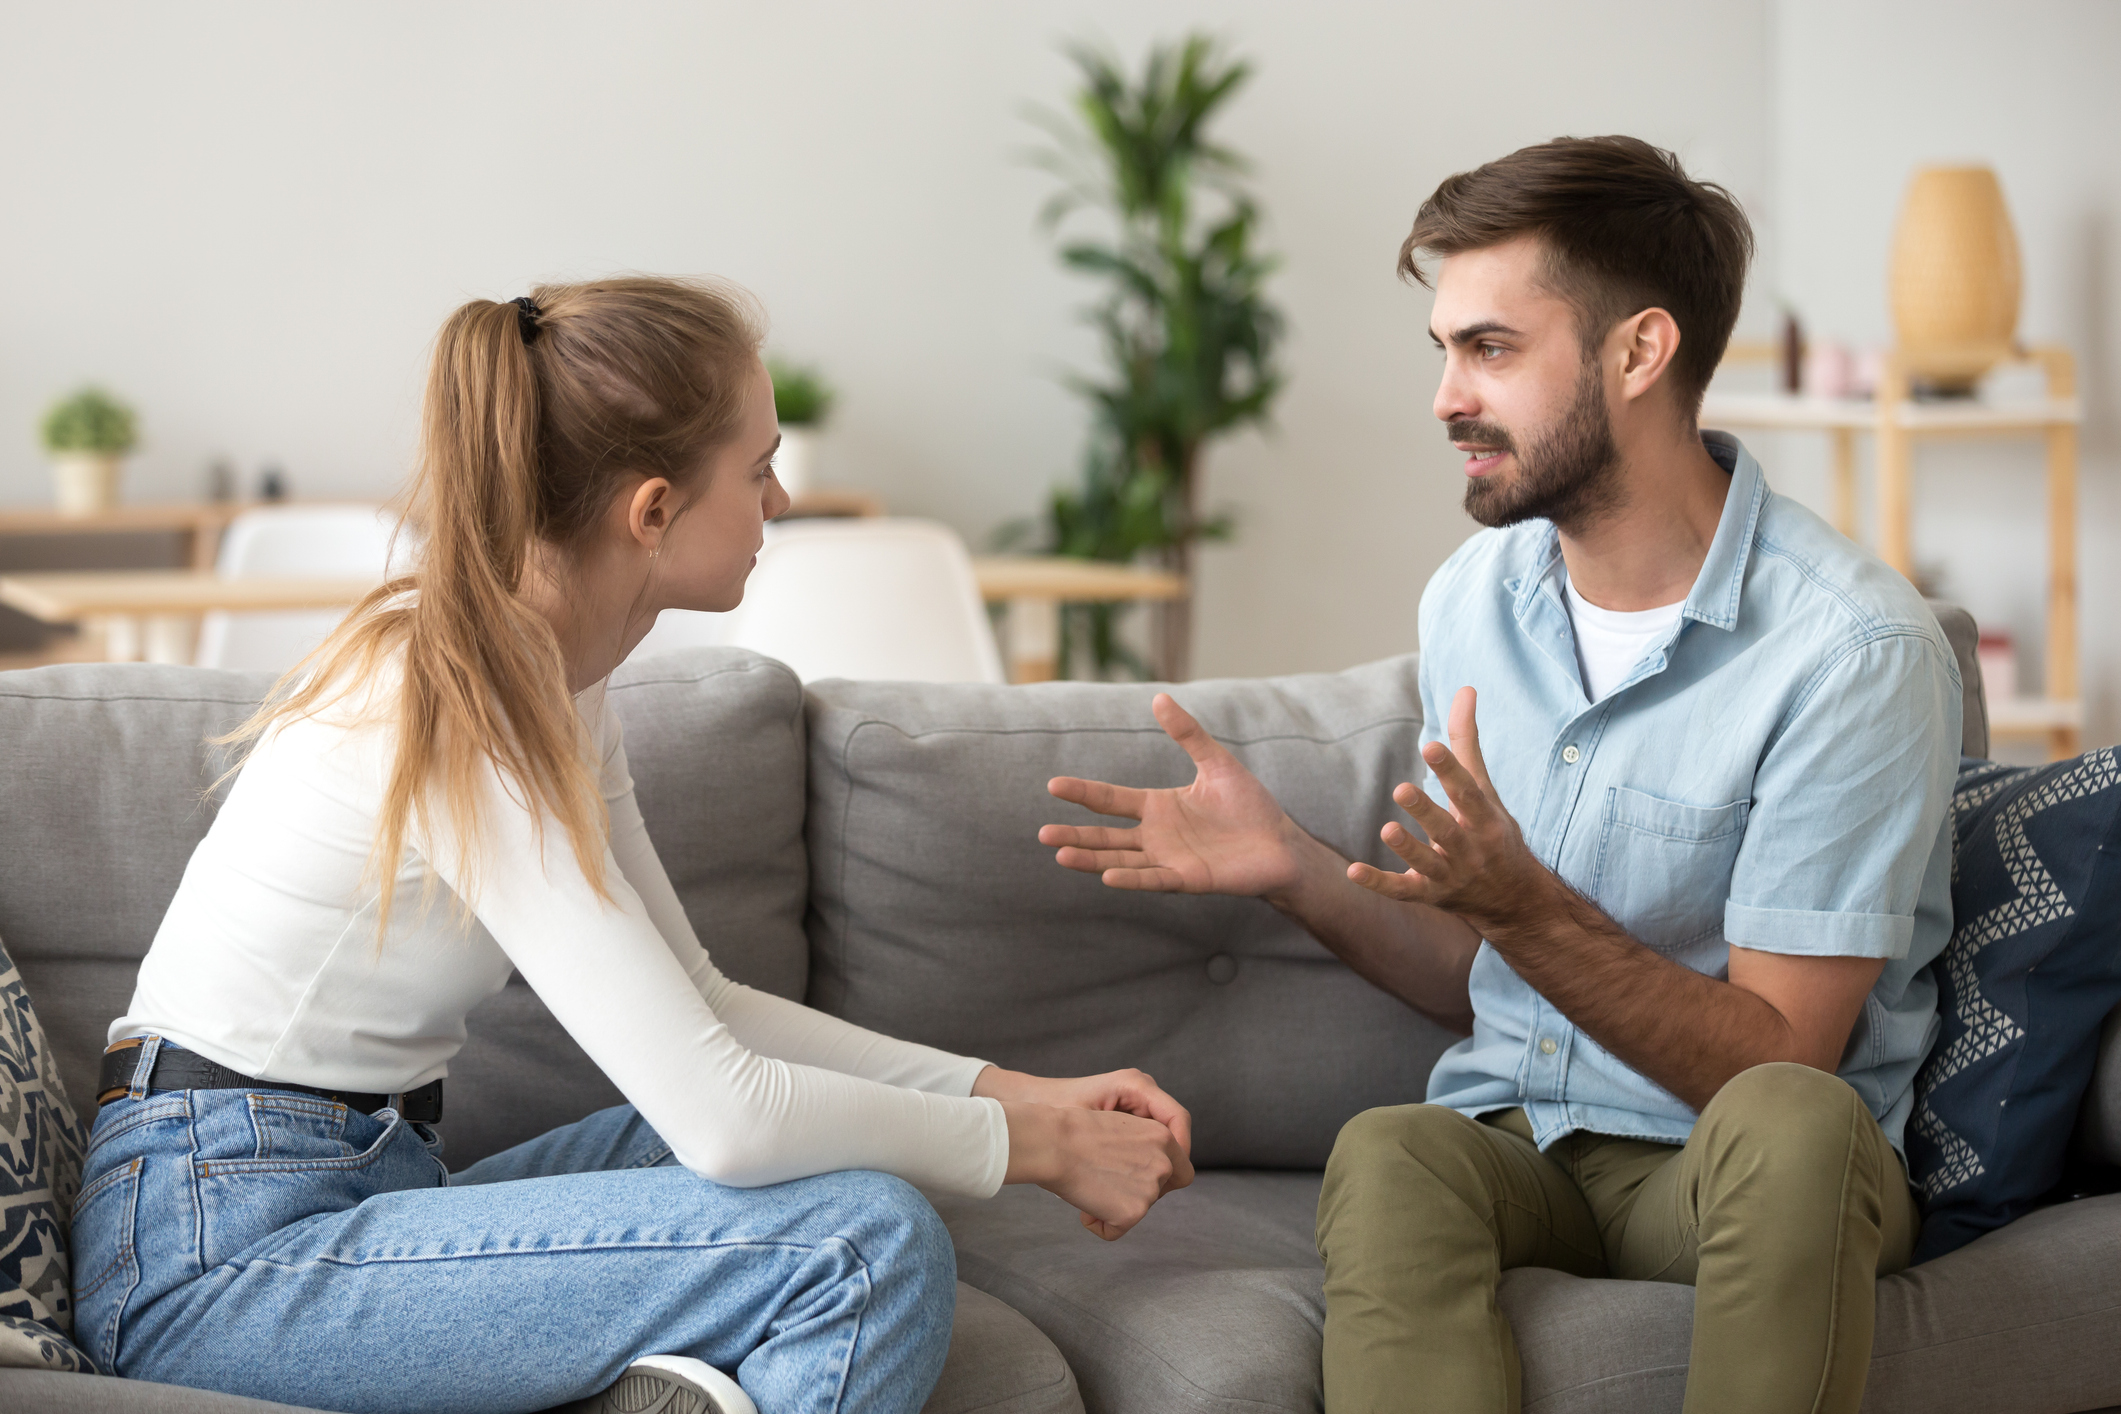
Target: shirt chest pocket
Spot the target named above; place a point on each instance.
(1664, 868)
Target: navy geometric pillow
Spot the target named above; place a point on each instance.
(2032, 969)
(41, 1144)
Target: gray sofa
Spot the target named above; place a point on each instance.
(872, 847)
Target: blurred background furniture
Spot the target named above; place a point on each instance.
(861, 597)
(902, 599)
(1897, 421)
(351, 543)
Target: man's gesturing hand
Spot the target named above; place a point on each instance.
(1475, 863)
(1224, 834)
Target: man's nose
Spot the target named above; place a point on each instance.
(1454, 400)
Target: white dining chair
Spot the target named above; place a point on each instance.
(349, 541)
(869, 597)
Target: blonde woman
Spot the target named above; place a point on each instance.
(440, 795)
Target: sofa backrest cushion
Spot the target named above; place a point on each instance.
(1965, 638)
(102, 799)
(936, 914)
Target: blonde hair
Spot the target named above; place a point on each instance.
(533, 420)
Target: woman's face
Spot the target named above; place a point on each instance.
(708, 550)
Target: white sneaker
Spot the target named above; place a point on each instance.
(669, 1384)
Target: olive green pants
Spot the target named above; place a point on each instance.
(1781, 1210)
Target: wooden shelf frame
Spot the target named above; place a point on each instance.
(1898, 422)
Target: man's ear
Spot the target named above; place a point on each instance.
(1648, 342)
(649, 511)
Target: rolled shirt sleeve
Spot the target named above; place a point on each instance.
(1848, 804)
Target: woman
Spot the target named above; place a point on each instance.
(439, 796)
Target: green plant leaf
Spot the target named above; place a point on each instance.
(90, 420)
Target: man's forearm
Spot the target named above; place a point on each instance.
(1688, 1032)
(1418, 954)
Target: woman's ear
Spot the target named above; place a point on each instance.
(649, 512)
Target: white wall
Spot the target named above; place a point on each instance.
(1862, 95)
(250, 218)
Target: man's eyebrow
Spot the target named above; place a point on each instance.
(1472, 331)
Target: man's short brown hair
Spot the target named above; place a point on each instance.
(1625, 229)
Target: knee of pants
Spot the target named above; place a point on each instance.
(1783, 1115)
(897, 1231)
(1384, 1154)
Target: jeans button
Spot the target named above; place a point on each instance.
(1547, 1046)
(1221, 968)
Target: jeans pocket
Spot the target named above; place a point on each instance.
(298, 1157)
(106, 1262)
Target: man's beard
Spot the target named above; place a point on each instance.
(1569, 475)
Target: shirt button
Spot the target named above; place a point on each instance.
(1571, 755)
(1546, 1043)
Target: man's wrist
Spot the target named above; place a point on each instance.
(1314, 868)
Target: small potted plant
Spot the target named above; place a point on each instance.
(88, 436)
(800, 400)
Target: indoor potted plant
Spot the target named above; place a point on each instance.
(87, 436)
(1187, 328)
(800, 400)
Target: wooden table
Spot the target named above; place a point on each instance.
(154, 614)
(201, 522)
(1898, 422)
(151, 613)
(1032, 589)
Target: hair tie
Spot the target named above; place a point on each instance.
(527, 313)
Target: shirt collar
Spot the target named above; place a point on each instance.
(1714, 598)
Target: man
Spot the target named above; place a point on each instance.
(1695, 861)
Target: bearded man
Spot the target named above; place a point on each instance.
(1695, 860)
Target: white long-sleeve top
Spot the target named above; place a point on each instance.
(269, 962)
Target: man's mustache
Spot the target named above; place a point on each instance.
(1480, 434)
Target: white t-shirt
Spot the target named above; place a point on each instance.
(1609, 643)
(268, 962)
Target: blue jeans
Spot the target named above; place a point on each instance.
(277, 1245)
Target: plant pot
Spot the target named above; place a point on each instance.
(794, 464)
(85, 483)
(1955, 277)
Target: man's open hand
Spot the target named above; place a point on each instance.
(1475, 863)
(1223, 834)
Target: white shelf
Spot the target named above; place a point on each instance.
(2032, 716)
(1782, 410)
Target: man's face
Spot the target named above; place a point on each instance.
(1518, 396)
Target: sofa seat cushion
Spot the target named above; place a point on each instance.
(1212, 1303)
(937, 916)
(999, 1364)
(1215, 1303)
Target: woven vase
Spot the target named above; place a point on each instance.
(1955, 277)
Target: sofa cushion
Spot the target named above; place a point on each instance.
(938, 916)
(41, 1144)
(2032, 969)
(1214, 1303)
(999, 1363)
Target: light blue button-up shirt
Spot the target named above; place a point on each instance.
(1776, 773)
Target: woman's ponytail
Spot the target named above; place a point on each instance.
(534, 418)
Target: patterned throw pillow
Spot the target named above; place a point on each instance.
(41, 1143)
(2032, 969)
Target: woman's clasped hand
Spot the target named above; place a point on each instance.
(1110, 1144)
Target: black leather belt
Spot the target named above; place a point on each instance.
(183, 1070)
